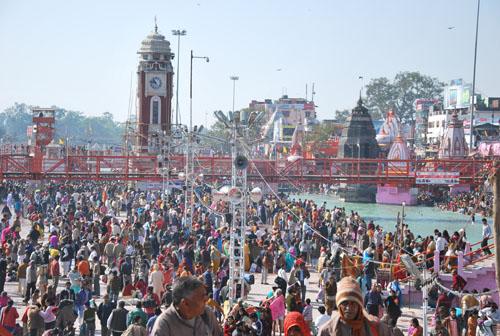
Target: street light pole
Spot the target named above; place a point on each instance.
(234, 79)
(178, 33)
(471, 143)
(188, 200)
(191, 88)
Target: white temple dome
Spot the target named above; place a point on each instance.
(155, 43)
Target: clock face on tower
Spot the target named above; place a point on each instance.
(155, 83)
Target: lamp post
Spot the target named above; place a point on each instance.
(191, 89)
(189, 152)
(234, 79)
(471, 142)
(178, 33)
(403, 204)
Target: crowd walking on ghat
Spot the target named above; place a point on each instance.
(105, 258)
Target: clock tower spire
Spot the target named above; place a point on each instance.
(154, 92)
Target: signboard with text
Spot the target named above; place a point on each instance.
(457, 96)
(445, 178)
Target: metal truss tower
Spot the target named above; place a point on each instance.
(238, 208)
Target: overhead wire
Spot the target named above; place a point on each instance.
(299, 219)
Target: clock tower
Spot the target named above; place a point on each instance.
(154, 92)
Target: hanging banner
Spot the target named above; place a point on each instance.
(445, 178)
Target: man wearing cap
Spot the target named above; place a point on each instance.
(351, 318)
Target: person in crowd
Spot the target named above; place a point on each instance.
(89, 319)
(8, 316)
(322, 318)
(278, 311)
(373, 301)
(152, 320)
(486, 236)
(188, 304)
(351, 318)
(308, 313)
(330, 293)
(439, 329)
(136, 328)
(117, 320)
(453, 323)
(393, 307)
(415, 329)
(31, 277)
(103, 312)
(36, 324)
(295, 325)
(138, 311)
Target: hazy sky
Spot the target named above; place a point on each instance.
(80, 54)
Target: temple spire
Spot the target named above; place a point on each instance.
(156, 26)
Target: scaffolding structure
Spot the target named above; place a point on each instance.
(238, 126)
(238, 208)
(190, 177)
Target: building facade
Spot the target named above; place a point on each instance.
(284, 114)
(457, 100)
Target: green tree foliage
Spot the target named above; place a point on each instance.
(320, 133)
(401, 93)
(72, 125)
(341, 116)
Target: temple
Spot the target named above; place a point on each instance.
(394, 193)
(358, 141)
(454, 146)
(453, 143)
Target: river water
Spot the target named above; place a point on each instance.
(421, 220)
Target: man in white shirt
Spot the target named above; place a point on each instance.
(486, 237)
(260, 233)
(440, 243)
(322, 318)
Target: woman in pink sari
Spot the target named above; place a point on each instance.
(278, 311)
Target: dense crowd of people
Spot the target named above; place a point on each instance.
(470, 203)
(140, 248)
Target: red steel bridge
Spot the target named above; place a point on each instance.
(302, 171)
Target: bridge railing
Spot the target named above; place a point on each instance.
(351, 170)
(437, 263)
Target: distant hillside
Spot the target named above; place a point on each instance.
(79, 128)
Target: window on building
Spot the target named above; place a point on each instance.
(156, 57)
(144, 56)
(156, 112)
(286, 114)
(308, 114)
(431, 124)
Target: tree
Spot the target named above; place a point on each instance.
(74, 125)
(320, 133)
(401, 93)
(341, 116)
